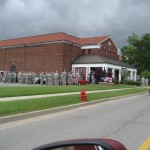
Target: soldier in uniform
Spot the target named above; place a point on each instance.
(93, 79)
(5, 77)
(23, 74)
(69, 78)
(143, 81)
(1, 76)
(76, 78)
(29, 78)
(41, 78)
(46, 78)
(19, 76)
(26, 78)
(61, 78)
(10, 77)
(64, 78)
(14, 75)
(146, 82)
(50, 78)
(33, 78)
(56, 78)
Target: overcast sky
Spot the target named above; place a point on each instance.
(81, 18)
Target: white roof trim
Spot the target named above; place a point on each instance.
(103, 65)
(118, 49)
(104, 40)
(90, 46)
(42, 43)
(13, 46)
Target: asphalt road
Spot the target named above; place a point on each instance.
(126, 120)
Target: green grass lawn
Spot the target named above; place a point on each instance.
(22, 106)
(38, 90)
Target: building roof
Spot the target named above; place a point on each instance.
(39, 39)
(52, 37)
(93, 40)
(98, 59)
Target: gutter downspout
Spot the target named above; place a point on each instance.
(4, 58)
(25, 58)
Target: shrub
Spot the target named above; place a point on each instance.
(131, 82)
(116, 82)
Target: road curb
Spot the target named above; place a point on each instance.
(58, 109)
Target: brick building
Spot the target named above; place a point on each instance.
(60, 51)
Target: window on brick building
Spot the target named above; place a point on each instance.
(83, 51)
(89, 51)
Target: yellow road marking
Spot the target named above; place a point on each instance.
(146, 144)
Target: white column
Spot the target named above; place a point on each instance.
(87, 72)
(113, 73)
(119, 75)
(106, 69)
(135, 75)
(131, 75)
(73, 69)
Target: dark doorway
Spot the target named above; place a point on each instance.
(98, 73)
(116, 75)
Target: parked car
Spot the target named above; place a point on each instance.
(105, 79)
(84, 144)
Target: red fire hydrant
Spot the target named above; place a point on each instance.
(83, 95)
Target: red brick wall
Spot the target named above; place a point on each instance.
(48, 57)
(109, 51)
(105, 50)
(71, 52)
(12, 56)
(2, 56)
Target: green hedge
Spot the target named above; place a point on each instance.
(137, 83)
(129, 82)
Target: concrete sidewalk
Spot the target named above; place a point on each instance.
(51, 95)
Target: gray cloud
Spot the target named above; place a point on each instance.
(118, 18)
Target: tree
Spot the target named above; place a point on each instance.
(124, 76)
(137, 52)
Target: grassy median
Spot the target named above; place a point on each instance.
(39, 90)
(23, 106)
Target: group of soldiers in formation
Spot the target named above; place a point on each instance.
(144, 82)
(48, 78)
